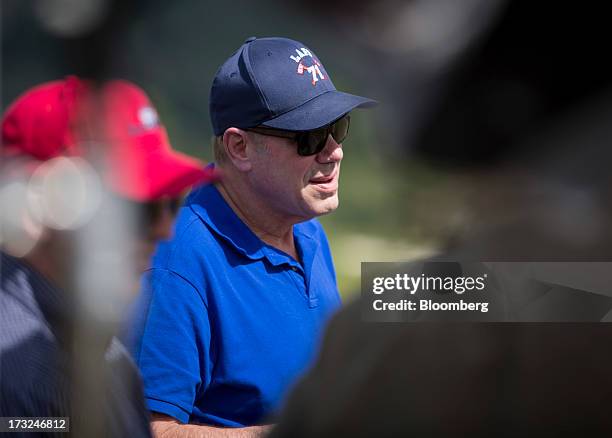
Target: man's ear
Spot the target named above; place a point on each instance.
(236, 142)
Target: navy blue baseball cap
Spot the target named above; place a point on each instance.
(280, 83)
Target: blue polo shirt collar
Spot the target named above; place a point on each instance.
(307, 247)
(208, 204)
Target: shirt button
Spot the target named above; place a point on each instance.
(294, 269)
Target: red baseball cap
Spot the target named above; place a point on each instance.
(51, 119)
(38, 123)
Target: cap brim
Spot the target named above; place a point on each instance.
(175, 173)
(320, 111)
(164, 173)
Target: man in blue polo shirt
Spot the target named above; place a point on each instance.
(232, 311)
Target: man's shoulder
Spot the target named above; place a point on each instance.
(189, 227)
(27, 300)
(31, 375)
(196, 219)
(191, 238)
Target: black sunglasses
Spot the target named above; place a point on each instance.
(310, 142)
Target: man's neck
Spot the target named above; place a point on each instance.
(271, 228)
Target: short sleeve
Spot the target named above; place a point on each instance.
(169, 337)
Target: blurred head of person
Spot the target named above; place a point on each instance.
(114, 127)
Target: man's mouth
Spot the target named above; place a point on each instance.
(325, 183)
(322, 179)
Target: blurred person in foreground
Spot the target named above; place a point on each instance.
(525, 119)
(232, 310)
(57, 119)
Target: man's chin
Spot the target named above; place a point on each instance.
(325, 206)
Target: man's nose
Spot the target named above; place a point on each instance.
(331, 153)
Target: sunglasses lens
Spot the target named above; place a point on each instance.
(340, 129)
(313, 142)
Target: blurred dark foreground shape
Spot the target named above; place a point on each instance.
(524, 115)
(454, 379)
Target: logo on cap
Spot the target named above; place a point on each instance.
(313, 68)
(148, 117)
